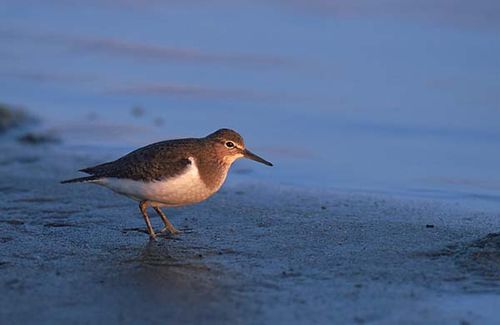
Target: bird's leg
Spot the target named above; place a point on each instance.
(168, 226)
(143, 206)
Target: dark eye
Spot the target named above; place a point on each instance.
(229, 144)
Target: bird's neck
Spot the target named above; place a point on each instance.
(213, 172)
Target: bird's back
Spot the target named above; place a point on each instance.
(156, 161)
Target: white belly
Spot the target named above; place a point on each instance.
(183, 189)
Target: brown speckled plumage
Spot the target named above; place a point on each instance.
(154, 162)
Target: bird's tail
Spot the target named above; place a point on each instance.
(81, 180)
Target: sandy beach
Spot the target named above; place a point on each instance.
(252, 254)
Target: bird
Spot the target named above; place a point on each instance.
(171, 173)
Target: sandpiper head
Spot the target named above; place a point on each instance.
(230, 146)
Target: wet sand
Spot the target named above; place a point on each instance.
(254, 253)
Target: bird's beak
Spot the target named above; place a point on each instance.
(250, 155)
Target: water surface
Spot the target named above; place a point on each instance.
(399, 97)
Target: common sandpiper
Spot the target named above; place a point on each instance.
(171, 173)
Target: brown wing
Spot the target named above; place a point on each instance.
(154, 162)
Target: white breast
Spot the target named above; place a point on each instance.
(186, 188)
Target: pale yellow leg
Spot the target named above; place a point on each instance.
(168, 226)
(143, 206)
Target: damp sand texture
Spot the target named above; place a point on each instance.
(255, 254)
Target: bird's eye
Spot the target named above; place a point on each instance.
(229, 144)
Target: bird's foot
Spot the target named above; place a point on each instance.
(174, 231)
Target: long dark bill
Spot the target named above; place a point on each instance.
(250, 155)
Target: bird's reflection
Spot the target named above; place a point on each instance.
(163, 265)
(155, 254)
(174, 277)
(162, 254)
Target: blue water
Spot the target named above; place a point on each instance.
(395, 97)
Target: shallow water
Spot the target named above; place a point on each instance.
(398, 98)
